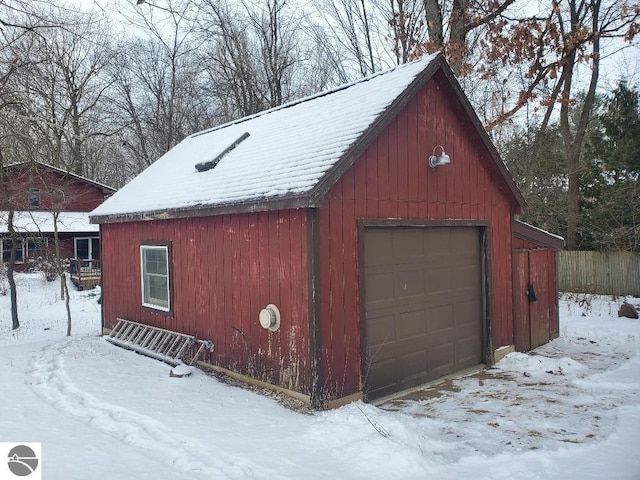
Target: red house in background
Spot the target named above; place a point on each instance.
(35, 192)
(328, 246)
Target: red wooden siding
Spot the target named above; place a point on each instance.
(521, 303)
(224, 269)
(392, 179)
(78, 196)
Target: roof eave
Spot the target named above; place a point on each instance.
(263, 205)
(537, 235)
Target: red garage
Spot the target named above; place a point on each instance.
(368, 228)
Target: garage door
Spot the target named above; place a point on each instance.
(423, 305)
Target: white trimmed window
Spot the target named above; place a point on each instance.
(154, 266)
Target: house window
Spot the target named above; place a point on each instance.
(37, 247)
(34, 197)
(6, 251)
(87, 248)
(154, 266)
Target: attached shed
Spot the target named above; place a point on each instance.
(386, 271)
(535, 289)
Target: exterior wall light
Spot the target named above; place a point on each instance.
(442, 159)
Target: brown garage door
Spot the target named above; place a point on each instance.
(423, 305)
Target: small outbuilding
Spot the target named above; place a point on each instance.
(535, 285)
(347, 245)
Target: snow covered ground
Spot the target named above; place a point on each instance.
(569, 410)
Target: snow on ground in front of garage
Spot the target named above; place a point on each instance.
(569, 409)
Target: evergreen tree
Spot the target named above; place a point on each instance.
(614, 211)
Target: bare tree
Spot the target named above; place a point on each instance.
(15, 23)
(14, 238)
(356, 28)
(65, 88)
(253, 56)
(157, 97)
(275, 35)
(407, 20)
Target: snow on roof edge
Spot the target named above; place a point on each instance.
(531, 233)
(254, 205)
(541, 230)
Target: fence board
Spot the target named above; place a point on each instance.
(611, 273)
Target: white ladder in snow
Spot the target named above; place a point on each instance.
(170, 347)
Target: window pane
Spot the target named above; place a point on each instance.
(82, 248)
(158, 293)
(37, 247)
(156, 262)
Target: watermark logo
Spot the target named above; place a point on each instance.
(20, 461)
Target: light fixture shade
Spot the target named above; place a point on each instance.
(442, 159)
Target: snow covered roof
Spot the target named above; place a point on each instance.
(286, 157)
(42, 222)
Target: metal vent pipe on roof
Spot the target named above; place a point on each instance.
(204, 166)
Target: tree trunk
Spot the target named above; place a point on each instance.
(15, 322)
(433, 14)
(574, 141)
(64, 289)
(573, 198)
(5, 201)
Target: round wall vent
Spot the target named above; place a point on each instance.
(270, 317)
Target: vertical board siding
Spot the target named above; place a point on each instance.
(607, 273)
(521, 314)
(535, 323)
(393, 180)
(224, 270)
(540, 313)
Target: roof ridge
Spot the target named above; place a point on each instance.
(314, 96)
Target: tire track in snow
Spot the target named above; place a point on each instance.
(51, 383)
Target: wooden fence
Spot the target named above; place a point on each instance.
(613, 273)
